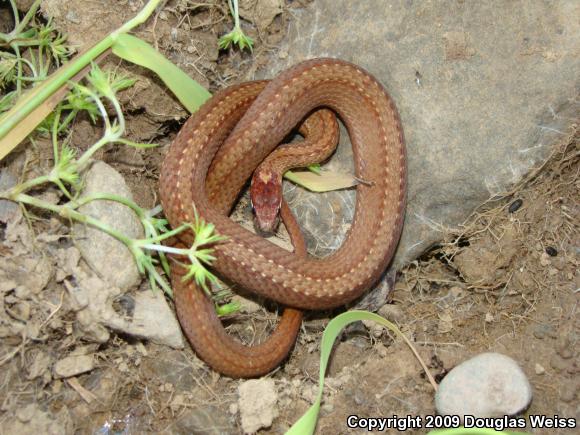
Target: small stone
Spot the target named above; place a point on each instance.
(568, 392)
(8, 209)
(540, 331)
(73, 365)
(566, 353)
(392, 312)
(107, 256)
(558, 363)
(202, 418)
(374, 328)
(456, 292)
(488, 385)
(327, 408)
(488, 317)
(257, 403)
(563, 347)
(445, 322)
(540, 370)
(381, 349)
(21, 311)
(247, 306)
(39, 365)
(73, 17)
(545, 259)
(154, 320)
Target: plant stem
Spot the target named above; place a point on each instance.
(18, 189)
(69, 212)
(15, 13)
(20, 26)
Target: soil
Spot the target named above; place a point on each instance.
(506, 281)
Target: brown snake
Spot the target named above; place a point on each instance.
(239, 127)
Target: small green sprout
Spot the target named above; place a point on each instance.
(7, 101)
(8, 64)
(237, 35)
(199, 256)
(315, 168)
(65, 169)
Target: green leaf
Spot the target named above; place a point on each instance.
(191, 94)
(236, 37)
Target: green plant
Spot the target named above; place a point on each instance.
(30, 50)
(35, 105)
(237, 35)
(67, 174)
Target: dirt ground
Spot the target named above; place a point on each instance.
(506, 280)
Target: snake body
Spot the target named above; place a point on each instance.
(214, 155)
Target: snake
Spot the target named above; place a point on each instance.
(212, 158)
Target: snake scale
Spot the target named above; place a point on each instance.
(214, 155)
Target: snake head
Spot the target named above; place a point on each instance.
(266, 197)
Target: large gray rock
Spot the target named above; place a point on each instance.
(483, 89)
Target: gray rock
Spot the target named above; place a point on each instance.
(482, 95)
(32, 419)
(154, 320)
(203, 418)
(106, 255)
(73, 365)
(8, 209)
(488, 385)
(148, 317)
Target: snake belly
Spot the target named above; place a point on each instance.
(216, 152)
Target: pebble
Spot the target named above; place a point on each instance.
(569, 391)
(487, 385)
(541, 331)
(540, 370)
(545, 259)
(558, 363)
(73, 365)
(392, 312)
(8, 209)
(106, 255)
(257, 404)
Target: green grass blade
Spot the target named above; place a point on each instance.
(191, 94)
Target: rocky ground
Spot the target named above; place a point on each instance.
(73, 358)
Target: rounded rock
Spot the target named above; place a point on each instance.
(488, 385)
(107, 256)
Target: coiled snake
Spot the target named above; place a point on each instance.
(215, 154)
